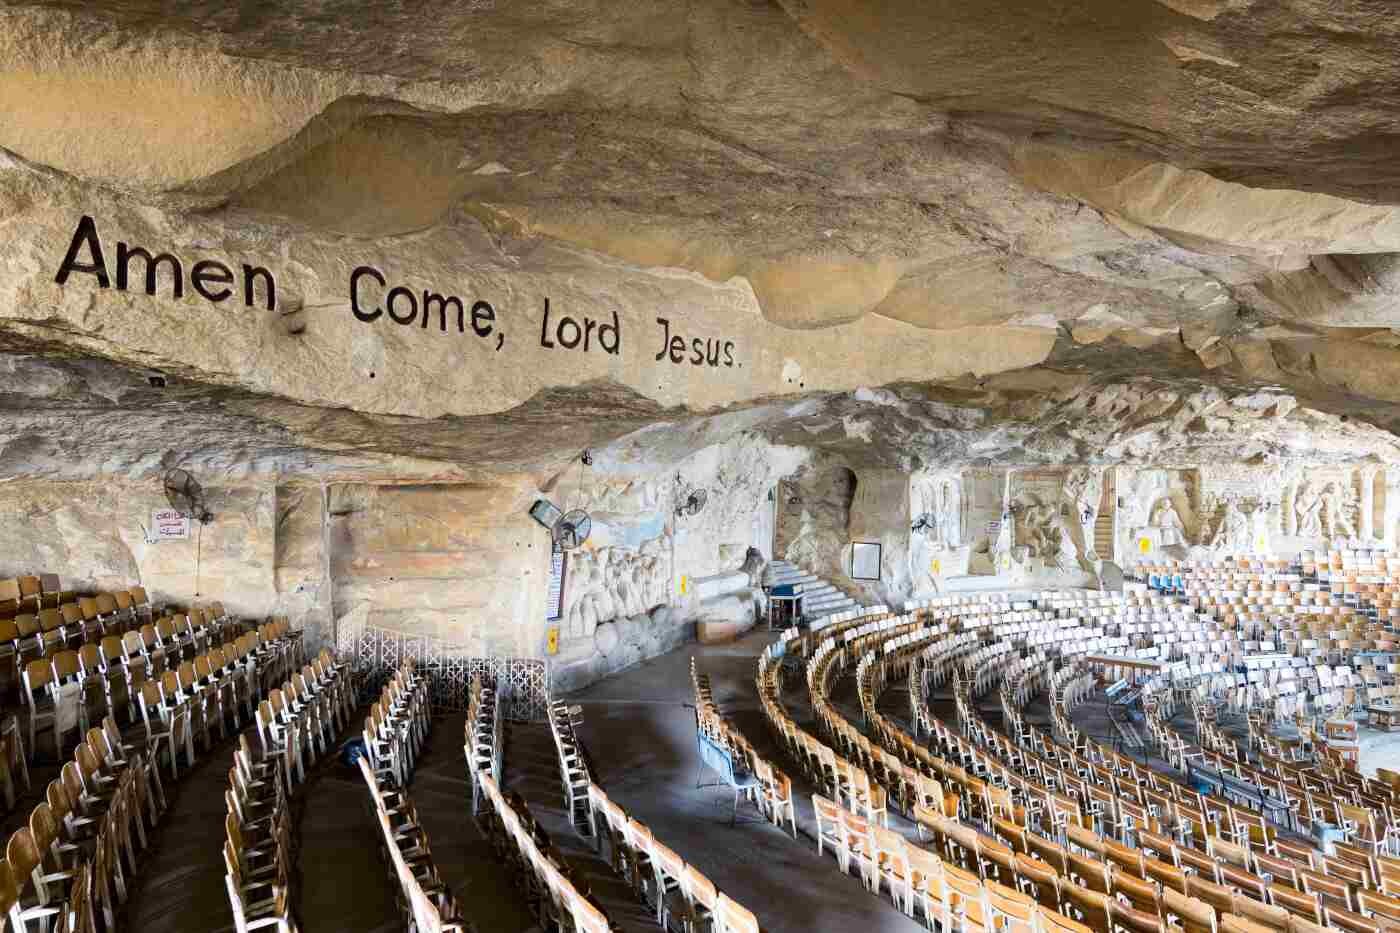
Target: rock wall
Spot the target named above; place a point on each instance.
(880, 514)
(98, 536)
(814, 518)
(459, 562)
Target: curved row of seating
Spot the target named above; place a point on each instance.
(1031, 820)
(1242, 824)
(966, 755)
(560, 897)
(482, 738)
(300, 716)
(948, 891)
(71, 863)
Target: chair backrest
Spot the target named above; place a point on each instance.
(50, 620)
(67, 665)
(1196, 916)
(698, 888)
(38, 674)
(1093, 905)
(1016, 910)
(23, 856)
(967, 893)
(734, 917)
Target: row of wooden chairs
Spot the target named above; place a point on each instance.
(259, 852)
(772, 788)
(300, 718)
(424, 897)
(563, 904)
(482, 737)
(68, 868)
(918, 879)
(659, 877)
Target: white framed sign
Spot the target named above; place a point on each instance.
(169, 525)
(865, 560)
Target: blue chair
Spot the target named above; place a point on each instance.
(718, 759)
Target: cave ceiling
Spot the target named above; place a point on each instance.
(909, 234)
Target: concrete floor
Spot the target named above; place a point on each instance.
(340, 883)
(641, 733)
(640, 730)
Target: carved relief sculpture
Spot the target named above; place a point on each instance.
(1166, 519)
(614, 582)
(1307, 507)
(1233, 535)
(1337, 513)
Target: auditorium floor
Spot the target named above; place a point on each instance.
(641, 733)
(640, 729)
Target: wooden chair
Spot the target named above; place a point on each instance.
(731, 917)
(1296, 902)
(969, 897)
(1051, 853)
(1195, 916)
(1270, 916)
(1126, 859)
(1339, 918)
(1052, 921)
(1141, 894)
(1091, 908)
(701, 897)
(1280, 869)
(1194, 860)
(857, 847)
(1011, 911)
(892, 866)
(1332, 891)
(828, 818)
(928, 888)
(1089, 872)
(995, 860)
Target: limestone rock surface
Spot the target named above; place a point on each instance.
(380, 275)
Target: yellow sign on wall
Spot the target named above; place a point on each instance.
(685, 584)
(551, 644)
(1145, 545)
(936, 566)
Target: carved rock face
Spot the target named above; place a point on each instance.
(353, 246)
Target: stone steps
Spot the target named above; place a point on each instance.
(819, 597)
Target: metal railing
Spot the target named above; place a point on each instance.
(521, 684)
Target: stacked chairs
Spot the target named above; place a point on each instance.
(574, 772)
(482, 741)
(294, 721)
(67, 869)
(259, 856)
(397, 725)
(394, 740)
